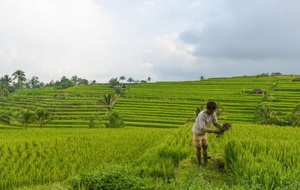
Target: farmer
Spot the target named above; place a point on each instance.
(202, 126)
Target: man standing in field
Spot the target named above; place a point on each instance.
(201, 127)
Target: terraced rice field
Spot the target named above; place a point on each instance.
(160, 104)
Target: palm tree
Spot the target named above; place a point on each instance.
(34, 82)
(108, 102)
(26, 117)
(264, 115)
(6, 80)
(122, 78)
(5, 85)
(295, 116)
(20, 76)
(130, 80)
(196, 112)
(43, 117)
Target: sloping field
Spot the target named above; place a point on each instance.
(176, 101)
(70, 107)
(160, 104)
(285, 96)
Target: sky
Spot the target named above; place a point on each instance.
(166, 40)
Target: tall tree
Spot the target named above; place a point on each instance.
(122, 78)
(64, 83)
(75, 80)
(6, 80)
(149, 79)
(108, 101)
(113, 82)
(130, 80)
(34, 82)
(83, 82)
(5, 85)
(20, 76)
(93, 82)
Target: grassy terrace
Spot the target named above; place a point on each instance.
(179, 99)
(160, 104)
(285, 94)
(71, 107)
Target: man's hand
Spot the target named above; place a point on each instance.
(218, 131)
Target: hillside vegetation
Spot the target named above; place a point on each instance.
(154, 150)
(161, 104)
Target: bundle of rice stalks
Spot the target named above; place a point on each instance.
(225, 127)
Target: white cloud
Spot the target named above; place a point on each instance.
(60, 37)
(145, 6)
(175, 47)
(195, 5)
(171, 58)
(164, 40)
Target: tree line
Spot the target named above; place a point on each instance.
(18, 80)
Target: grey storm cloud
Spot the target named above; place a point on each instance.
(249, 30)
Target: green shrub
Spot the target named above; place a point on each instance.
(115, 121)
(295, 116)
(92, 122)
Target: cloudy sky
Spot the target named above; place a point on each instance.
(167, 40)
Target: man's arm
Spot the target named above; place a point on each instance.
(209, 130)
(217, 131)
(217, 125)
(215, 122)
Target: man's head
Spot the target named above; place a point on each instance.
(211, 106)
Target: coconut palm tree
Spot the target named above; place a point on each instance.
(6, 80)
(5, 85)
(26, 117)
(108, 102)
(20, 76)
(43, 117)
(34, 82)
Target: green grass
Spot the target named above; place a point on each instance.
(156, 141)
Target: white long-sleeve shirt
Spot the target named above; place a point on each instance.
(203, 123)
